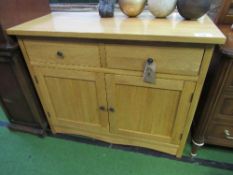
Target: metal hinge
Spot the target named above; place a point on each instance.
(181, 135)
(36, 79)
(191, 98)
(48, 114)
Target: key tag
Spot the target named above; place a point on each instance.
(149, 71)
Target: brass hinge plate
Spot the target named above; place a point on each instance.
(36, 79)
(48, 114)
(191, 98)
(181, 135)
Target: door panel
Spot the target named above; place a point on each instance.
(12, 96)
(73, 98)
(148, 111)
(142, 101)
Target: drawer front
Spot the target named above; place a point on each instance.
(173, 60)
(63, 52)
(220, 134)
(224, 108)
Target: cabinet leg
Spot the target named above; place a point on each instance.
(195, 147)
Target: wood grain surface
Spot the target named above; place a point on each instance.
(146, 28)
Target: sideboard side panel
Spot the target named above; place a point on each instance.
(204, 68)
(32, 73)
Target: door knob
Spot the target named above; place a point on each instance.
(102, 108)
(111, 109)
(60, 54)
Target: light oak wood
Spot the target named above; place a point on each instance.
(113, 71)
(85, 54)
(174, 83)
(125, 57)
(121, 139)
(205, 65)
(102, 54)
(74, 97)
(144, 28)
(186, 99)
(98, 72)
(147, 111)
(30, 68)
(174, 60)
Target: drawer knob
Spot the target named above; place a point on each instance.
(228, 135)
(150, 60)
(111, 109)
(102, 108)
(60, 54)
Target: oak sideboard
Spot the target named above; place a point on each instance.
(88, 72)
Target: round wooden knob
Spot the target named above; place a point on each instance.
(102, 108)
(60, 54)
(111, 109)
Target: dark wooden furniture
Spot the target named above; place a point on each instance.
(14, 12)
(17, 94)
(213, 122)
(226, 13)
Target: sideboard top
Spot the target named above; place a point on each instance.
(143, 28)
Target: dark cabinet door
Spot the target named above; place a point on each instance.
(17, 94)
(12, 97)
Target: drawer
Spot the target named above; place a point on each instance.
(220, 134)
(169, 59)
(63, 52)
(224, 107)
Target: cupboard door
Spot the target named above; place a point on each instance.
(74, 98)
(146, 111)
